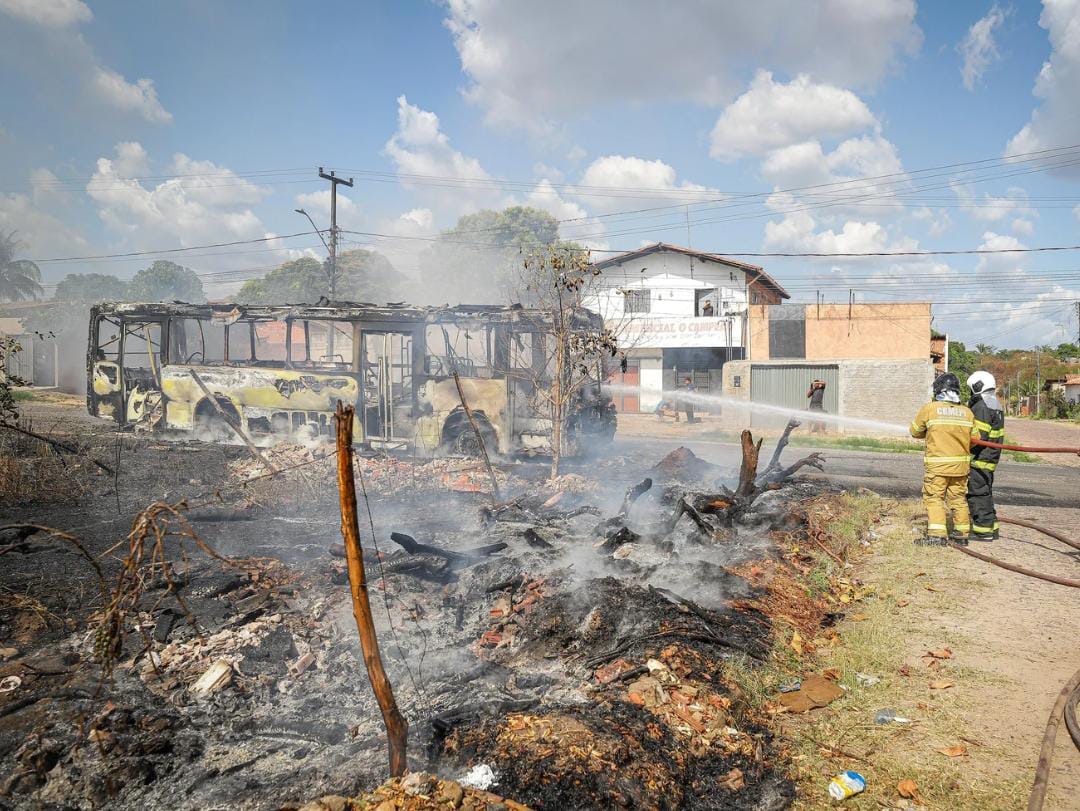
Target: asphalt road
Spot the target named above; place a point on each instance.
(890, 474)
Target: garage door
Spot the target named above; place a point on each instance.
(786, 385)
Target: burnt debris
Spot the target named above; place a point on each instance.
(572, 639)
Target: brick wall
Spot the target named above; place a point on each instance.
(884, 390)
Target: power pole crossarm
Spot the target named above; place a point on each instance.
(335, 181)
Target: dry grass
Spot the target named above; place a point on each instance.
(30, 469)
(844, 735)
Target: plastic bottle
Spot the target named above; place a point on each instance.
(846, 784)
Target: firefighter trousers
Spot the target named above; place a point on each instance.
(942, 495)
(980, 499)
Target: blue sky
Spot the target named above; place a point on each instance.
(140, 127)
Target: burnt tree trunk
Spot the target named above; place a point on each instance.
(397, 728)
(748, 470)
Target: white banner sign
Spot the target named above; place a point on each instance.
(679, 332)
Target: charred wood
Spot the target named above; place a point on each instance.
(633, 494)
(748, 469)
(536, 540)
(616, 539)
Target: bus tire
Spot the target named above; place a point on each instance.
(210, 426)
(458, 436)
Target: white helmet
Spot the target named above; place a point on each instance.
(981, 381)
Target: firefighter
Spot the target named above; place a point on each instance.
(990, 423)
(948, 426)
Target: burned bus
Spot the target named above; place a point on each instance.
(277, 372)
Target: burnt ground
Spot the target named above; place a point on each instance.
(584, 677)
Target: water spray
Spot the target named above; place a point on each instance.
(697, 398)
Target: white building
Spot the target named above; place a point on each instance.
(678, 313)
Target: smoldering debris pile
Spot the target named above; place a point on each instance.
(570, 652)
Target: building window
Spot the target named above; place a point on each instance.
(638, 301)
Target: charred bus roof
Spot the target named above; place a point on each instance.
(345, 311)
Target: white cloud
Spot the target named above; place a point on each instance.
(529, 63)
(176, 212)
(418, 218)
(649, 182)
(990, 208)
(938, 218)
(48, 13)
(808, 164)
(771, 115)
(797, 233)
(1054, 123)
(576, 153)
(47, 188)
(979, 49)
(140, 98)
(581, 227)
(317, 204)
(552, 173)
(1000, 261)
(45, 236)
(420, 147)
(1024, 227)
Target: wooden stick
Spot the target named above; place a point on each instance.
(397, 728)
(495, 497)
(232, 423)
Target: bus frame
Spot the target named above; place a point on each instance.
(277, 372)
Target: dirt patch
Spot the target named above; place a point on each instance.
(970, 658)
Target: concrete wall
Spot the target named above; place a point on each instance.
(889, 391)
(652, 383)
(863, 331)
(673, 282)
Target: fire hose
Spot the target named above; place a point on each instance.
(1066, 704)
(988, 444)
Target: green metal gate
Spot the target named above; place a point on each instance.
(786, 385)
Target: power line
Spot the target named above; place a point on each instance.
(174, 250)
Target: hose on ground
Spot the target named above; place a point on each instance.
(1046, 752)
(1070, 716)
(1057, 536)
(1012, 567)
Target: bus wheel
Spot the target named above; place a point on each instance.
(210, 426)
(461, 438)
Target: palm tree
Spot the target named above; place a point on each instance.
(19, 278)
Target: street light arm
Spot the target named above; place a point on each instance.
(313, 225)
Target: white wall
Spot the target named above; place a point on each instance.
(652, 383)
(673, 280)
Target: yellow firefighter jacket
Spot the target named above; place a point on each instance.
(948, 428)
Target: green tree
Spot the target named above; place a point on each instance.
(166, 281)
(479, 259)
(294, 282)
(1066, 351)
(362, 275)
(20, 279)
(91, 288)
(367, 276)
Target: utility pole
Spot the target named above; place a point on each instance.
(1078, 323)
(335, 181)
(1038, 384)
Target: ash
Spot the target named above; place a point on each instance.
(572, 639)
